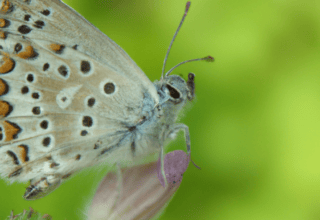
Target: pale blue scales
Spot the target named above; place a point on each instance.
(71, 98)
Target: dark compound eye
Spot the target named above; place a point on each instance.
(173, 92)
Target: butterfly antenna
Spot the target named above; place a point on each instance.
(174, 37)
(208, 58)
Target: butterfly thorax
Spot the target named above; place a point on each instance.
(158, 119)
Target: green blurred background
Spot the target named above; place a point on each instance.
(255, 124)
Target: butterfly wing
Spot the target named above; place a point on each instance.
(52, 20)
(63, 85)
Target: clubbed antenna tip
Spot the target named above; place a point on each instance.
(208, 58)
(187, 7)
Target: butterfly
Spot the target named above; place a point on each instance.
(71, 98)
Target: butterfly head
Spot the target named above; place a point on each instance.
(177, 89)
(174, 91)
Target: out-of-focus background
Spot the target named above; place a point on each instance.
(255, 124)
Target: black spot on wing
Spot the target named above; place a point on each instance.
(27, 17)
(36, 110)
(30, 77)
(75, 47)
(87, 121)
(109, 88)
(45, 12)
(91, 102)
(15, 173)
(39, 24)
(85, 66)
(24, 29)
(35, 95)
(24, 90)
(46, 141)
(45, 67)
(44, 124)
(14, 157)
(54, 165)
(83, 133)
(17, 47)
(63, 71)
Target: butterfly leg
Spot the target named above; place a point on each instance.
(162, 166)
(119, 184)
(176, 128)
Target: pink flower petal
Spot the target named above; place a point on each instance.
(142, 196)
(175, 164)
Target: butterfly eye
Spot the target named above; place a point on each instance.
(173, 92)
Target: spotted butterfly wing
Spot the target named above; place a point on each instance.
(68, 93)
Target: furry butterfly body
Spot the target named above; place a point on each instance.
(71, 98)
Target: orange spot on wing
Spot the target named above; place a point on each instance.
(2, 22)
(23, 153)
(56, 47)
(10, 129)
(7, 64)
(3, 88)
(5, 6)
(3, 35)
(28, 53)
(4, 108)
